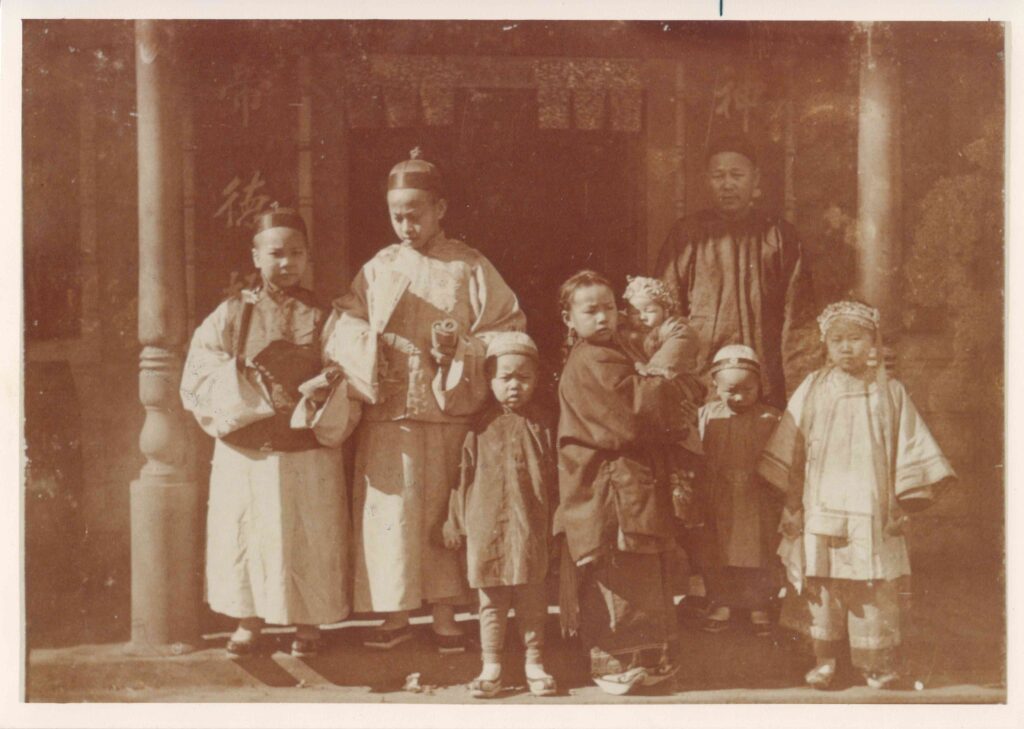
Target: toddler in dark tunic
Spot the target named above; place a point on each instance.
(742, 509)
(503, 506)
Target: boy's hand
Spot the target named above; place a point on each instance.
(452, 539)
(442, 357)
(792, 524)
(690, 411)
(895, 528)
(283, 402)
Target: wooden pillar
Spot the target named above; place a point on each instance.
(164, 505)
(664, 130)
(879, 233)
(303, 138)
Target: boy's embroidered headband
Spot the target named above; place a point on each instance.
(415, 174)
(644, 287)
(512, 343)
(862, 314)
(736, 357)
(277, 217)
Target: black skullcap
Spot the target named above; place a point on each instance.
(737, 143)
(277, 217)
(417, 174)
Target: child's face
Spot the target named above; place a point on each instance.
(513, 379)
(739, 389)
(593, 314)
(648, 312)
(732, 178)
(415, 215)
(849, 346)
(280, 254)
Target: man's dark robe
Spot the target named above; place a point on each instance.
(744, 281)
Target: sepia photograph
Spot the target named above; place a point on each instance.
(532, 362)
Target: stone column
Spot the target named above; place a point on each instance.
(879, 233)
(164, 506)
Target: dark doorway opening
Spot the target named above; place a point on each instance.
(540, 204)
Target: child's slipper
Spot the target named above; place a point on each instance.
(761, 623)
(660, 673)
(619, 684)
(881, 681)
(481, 688)
(543, 686)
(305, 647)
(710, 625)
(384, 639)
(820, 677)
(449, 643)
(240, 648)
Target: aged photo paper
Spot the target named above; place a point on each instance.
(682, 331)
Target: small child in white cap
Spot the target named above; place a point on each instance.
(503, 506)
(742, 510)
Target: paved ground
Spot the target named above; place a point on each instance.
(954, 648)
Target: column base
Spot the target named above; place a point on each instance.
(166, 570)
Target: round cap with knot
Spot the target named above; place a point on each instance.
(277, 217)
(736, 356)
(512, 343)
(737, 143)
(415, 174)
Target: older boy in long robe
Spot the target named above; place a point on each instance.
(422, 392)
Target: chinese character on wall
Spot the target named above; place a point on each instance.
(242, 203)
(246, 92)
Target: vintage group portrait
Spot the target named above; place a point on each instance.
(535, 362)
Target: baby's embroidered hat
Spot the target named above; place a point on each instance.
(512, 343)
(736, 357)
(860, 314)
(415, 174)
(275, 217)
(644, 287)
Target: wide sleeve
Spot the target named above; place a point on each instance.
(678, 351)
(461, 389)
(222, 396)
(920, 462)
(783, 460)
(457, 499)
(675, 262)
(351, 342)
(801, 346)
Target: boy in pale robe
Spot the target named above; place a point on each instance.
(742, 510)
(853, 457)
(422, 392)
(277, 529)
(507, 492)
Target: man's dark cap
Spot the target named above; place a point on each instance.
(737, 143)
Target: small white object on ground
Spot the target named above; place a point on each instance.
(412, 683)
(918, 686)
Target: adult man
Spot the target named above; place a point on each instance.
(739, 274)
